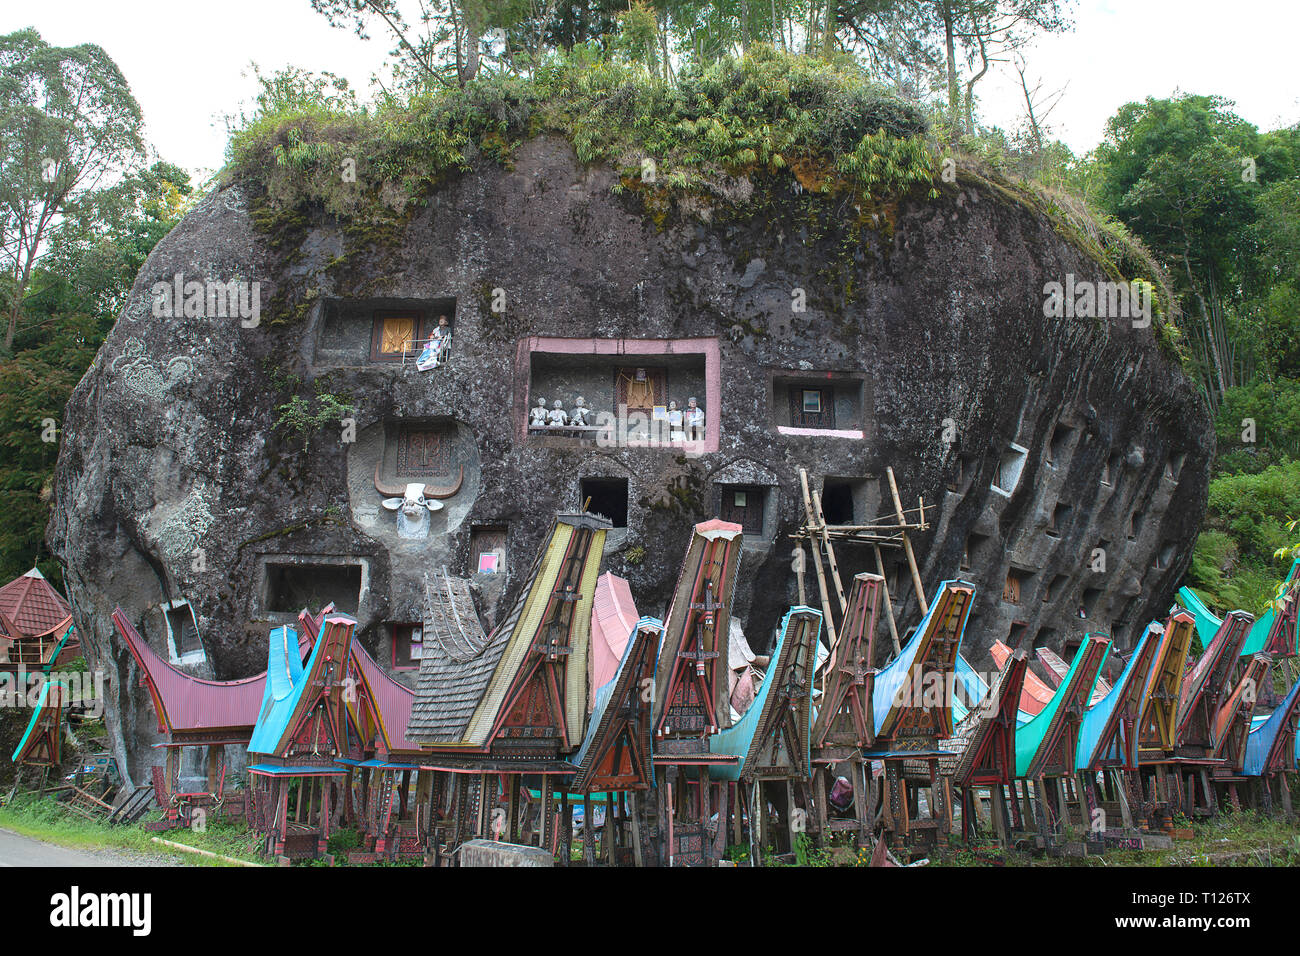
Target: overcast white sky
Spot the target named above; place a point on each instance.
(187, 62)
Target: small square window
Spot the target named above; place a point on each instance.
(408, 646)
(740, 499)
(812, 407)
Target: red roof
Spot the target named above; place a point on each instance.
(1034, 694)
(30, 608)
(392, 698)
(187, 704)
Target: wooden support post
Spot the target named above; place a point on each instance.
(588, 831)
(1284, 792)
(566, 828)
(724, 815)
(830, 554)
(737, 814)
(512, 828)
(907, 543)
(214, 756)
(799, 573)
(827, 620)
(998, 810)
(889, 604)
(636, 801)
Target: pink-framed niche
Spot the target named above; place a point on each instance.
(540, 362)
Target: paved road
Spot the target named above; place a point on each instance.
(19, 850)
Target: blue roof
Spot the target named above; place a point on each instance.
(606, 690)
(284, 685)
(1097, 716)
(976, 688)
(891, 677)
(1263, 736)
(737, 738)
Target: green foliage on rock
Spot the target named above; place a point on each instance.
(762, 113)
(1235, 562)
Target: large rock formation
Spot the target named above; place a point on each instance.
(1034, 441)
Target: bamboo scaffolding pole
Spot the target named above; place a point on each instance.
(830, 553)
(889, 604)
(817, 563)
(907, 544)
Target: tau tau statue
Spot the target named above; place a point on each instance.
(581, 414)
(556, 416)
(694, 421)
(675, 422)
(537, 414)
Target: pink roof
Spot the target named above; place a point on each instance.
(391, 697)
(1057, 669)
(1034, 695)
(613, 616)
(187, 704)
(30, 607)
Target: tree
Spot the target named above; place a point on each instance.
(1182, 174)
(441, 43)
(77, 290)
(68, 124)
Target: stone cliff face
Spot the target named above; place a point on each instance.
(1064, 462)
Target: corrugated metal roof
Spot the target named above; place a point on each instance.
(187, 704)
(393, 698)
(30, 607)
(1034, 695)
(613, 616)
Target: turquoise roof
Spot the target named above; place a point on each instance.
(1207, 624)
(1097, 716)
(284, 685)
(36, 716)
(1030, 735)
(737, 738)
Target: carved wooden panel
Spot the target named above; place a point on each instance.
(424, 452)
(640, 388)
(812, 407)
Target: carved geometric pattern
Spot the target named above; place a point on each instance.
(640, 392)
(424, 452)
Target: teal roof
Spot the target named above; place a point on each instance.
(1032, 735)
(1207, 624)
(738, 738)
(41, 702)
(1097, 717)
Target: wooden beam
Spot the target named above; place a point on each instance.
(907, 544)
(817, 563)
(889, 605)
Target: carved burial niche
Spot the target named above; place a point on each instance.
(361, 331)
(608, 497)
(290, 583)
